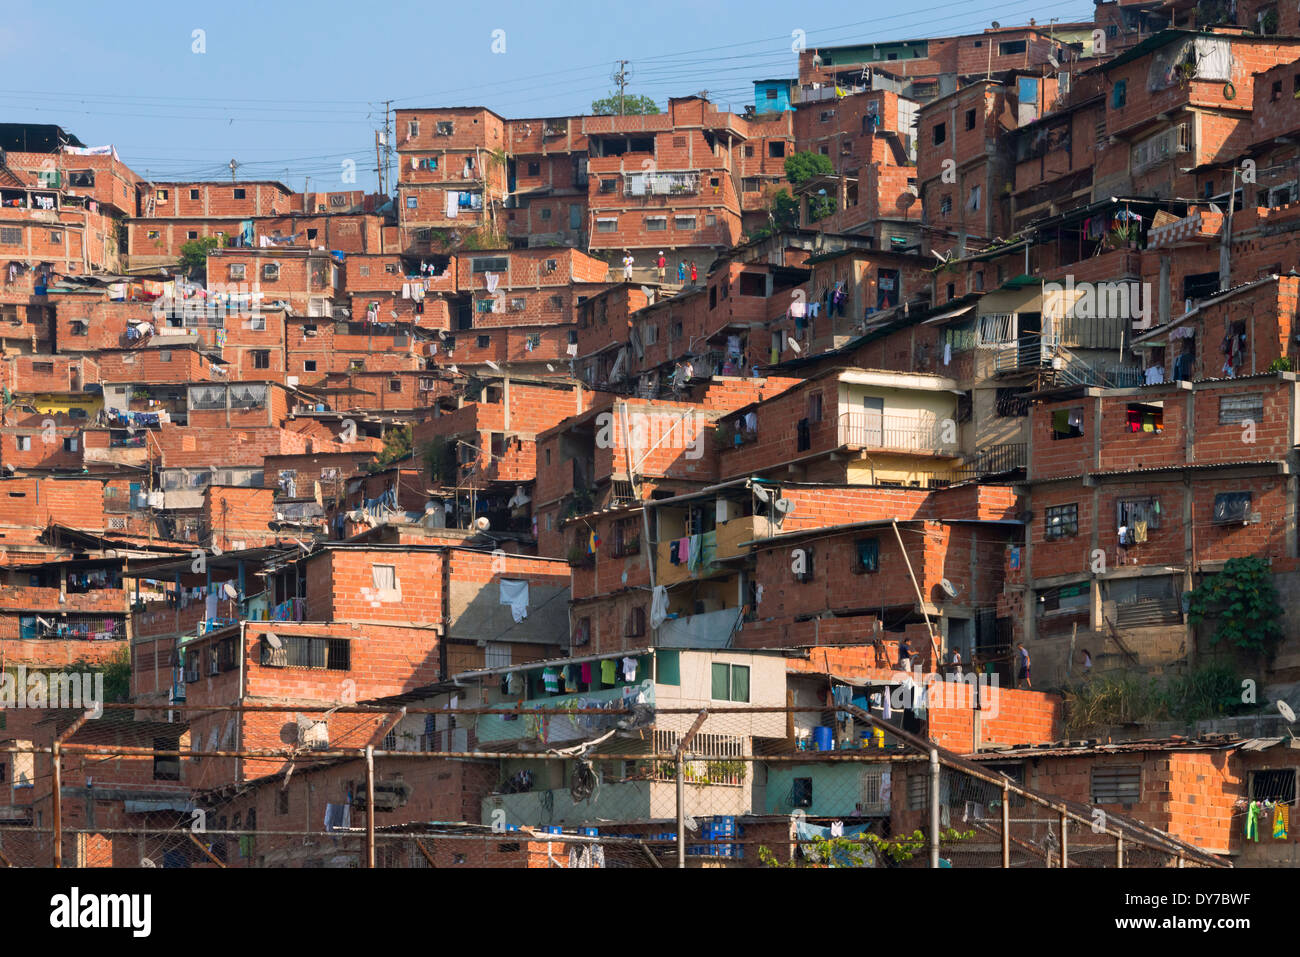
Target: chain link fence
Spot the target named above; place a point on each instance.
(727, 787)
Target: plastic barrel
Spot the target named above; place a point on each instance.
(824, 738)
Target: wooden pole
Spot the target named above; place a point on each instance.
(58, 805)
(1006, 825)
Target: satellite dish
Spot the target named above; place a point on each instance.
(549, 367)
(482, 524)
(784, 505)
(230, 591)
(1287, 712)
(793, 345)
(948, 588)
(1056, 64)
(274, 641)
(763, 494)
(492, 365)
(996, 25)
(147, 862)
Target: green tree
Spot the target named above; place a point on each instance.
(397, 446)
(440, 459)
(194, 255)
(783, 213)
(803, 166)
(1244, 601)
(633, 105)
(867, 850)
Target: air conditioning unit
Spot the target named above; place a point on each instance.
(389, 796)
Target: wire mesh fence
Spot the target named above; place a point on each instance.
(725, 787)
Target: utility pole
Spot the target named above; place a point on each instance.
(379, 163)
(233, 164)
(620, 78)
(388, 148)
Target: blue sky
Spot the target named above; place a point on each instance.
(303, 89)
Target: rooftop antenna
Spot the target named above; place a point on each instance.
(233, 165)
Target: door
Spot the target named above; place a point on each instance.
(873, 422)
(1029, 339)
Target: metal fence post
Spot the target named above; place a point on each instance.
(370, 805)
(58, 805)
(1065, 840)
(1119, 852)
(934, 807)
(681, 809)
(1006, 825)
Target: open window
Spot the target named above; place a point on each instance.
(1148, 417)
(1067, 423)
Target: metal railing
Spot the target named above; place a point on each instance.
(896, 433)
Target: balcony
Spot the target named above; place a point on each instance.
(492, 729)
(895, 433)
(995, 459)
(661, 184)
(669, 572)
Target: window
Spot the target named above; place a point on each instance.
(1241, 408)
(973, 203)
(656, 223)
(161, 195)
(164, 355)
(192, 234)
(1073, 599)
(1062, 520)
(239, 193)
(945, 205)
(23, 443)
(534, 169)
(1117, 785)
(730, 682)
(1011, 47)
(546, 214)
(13, 236)
(815, 407)
(194, 194)
(636, 622)
(776, 148)
(412, 129)
(483, 342)
(394, 385)
(271, 271)
(668, 668)
(166, 767)
(866, 555)
(309, 365)
(1277, 785)
(1067, 423)
(489, 264)
(296, 651)
(1231, 507)
(236, 270)
(56, 235)
(261, 358)
(445, 128)
(1144, 417)
(606, 225)
(995, 328)
(749, 150)
(1130, 511)
(970, 119)
(412, 202)
(1119, 94)
(940, 133)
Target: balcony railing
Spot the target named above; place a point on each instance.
(995, 459)
(661, 184)
(896, 433)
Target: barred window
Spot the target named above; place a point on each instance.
(1062, 520)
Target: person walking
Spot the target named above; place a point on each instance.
(1023, 671)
